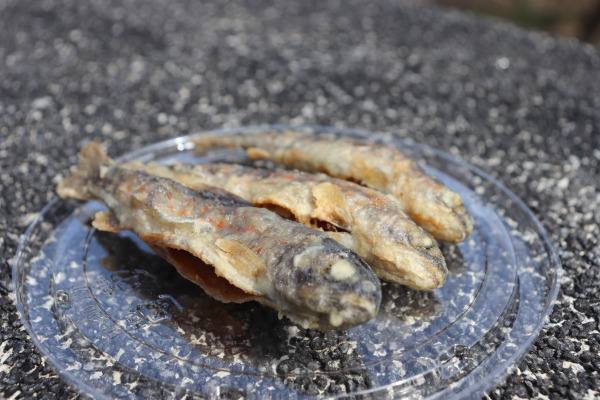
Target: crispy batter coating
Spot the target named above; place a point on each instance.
(427, 201)
(234, 251)
(369, 222)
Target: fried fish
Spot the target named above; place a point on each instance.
(234, 251)
(427, 201)
(365, 220)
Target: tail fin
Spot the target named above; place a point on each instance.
(260, 143)
(207, 142)
(91, 159)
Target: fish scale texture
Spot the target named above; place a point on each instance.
(522, 106)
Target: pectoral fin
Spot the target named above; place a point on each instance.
(331, 205)
(106, 221)
(255, 152)
(242, 258)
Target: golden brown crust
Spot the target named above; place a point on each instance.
(330, 205)
(428, 202)
(369, 222)
(247, 253)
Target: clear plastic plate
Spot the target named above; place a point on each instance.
(115, 320)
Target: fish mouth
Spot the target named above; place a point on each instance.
(432, 270)
(356, 310)
(419, 270)
(341, 308)
(349, 311)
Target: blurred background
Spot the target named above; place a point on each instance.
(571, 18)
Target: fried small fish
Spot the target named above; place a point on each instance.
(365, 220)
(427, 201)
(234, 251)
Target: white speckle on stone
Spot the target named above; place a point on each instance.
(75, 366)
(96, 375)
(292, 331)
(380, 353)
(3, 357)
(60, 277)
(90, 109)
(75, 35)
(107, 128)
(576, 368)
(37, 115)
(502, 63)
(222, 374)
(41, 103)
(15, 395)
(119, 354)
(563, 183)
(27, 219)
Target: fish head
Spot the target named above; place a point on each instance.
(332, 283)
(426, 261)
(404, 253)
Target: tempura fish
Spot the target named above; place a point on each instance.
(428, 202)
(365, 220)
(234, 251)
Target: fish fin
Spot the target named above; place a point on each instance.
(203, 143)
(255, 152)
(294, 202)
(92, 161)
(106, 221)
(202, 274)
(73, 186)
(92, 158)
(331, 205)
(245, 261)
(134, 165)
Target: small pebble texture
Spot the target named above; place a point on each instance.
(520, 105)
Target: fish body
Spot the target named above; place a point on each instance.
(427, 201)
(234, 251)
(365, 220)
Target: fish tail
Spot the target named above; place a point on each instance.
(91, 160)
(207, 142)
(258, 144)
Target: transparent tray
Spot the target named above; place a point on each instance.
(115, 320)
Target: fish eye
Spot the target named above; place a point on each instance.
(341, 270)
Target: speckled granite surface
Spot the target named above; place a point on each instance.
(522, 106)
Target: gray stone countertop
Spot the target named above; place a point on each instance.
(520, 105)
